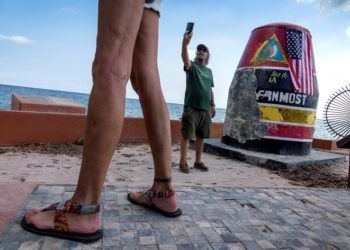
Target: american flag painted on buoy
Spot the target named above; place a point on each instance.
(300, 55)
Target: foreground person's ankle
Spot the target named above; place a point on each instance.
(160, 184)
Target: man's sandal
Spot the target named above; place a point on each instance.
(61, 229)
(150, 195)
(200, 166)
(184, 168)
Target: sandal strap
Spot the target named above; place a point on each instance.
(61, 208)
(160, 180)
(74, 208)
(60, 221)
(160, 194)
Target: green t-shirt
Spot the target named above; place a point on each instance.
(199, 81)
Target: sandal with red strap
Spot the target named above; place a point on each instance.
(150, 195)
(61, 229)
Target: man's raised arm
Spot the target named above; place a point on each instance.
(184, 53)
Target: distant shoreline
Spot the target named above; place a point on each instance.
(71, 92)
(132, 106)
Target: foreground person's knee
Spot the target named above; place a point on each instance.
(109, 69)
(145, 80)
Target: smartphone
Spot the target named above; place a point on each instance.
(189, 27)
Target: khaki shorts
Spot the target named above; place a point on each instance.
(195, 121)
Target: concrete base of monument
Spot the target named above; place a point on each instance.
(272, 161)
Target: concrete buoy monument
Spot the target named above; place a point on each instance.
(271, 108)
(273, 97)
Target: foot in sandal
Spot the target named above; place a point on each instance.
(160, 198)
(65, 220)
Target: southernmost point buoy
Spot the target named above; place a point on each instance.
(273, 97)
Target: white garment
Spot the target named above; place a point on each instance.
(154, 5)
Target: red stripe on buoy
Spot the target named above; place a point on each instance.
(289, 131)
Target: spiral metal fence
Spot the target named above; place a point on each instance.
(337, 118)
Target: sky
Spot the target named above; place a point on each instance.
(51, 44)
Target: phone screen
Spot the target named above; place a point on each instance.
(189, 27)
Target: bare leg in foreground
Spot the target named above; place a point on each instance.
(146, 82)
(118, 27)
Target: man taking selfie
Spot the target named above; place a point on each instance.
(199, 105)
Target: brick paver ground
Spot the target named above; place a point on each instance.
(213, 218)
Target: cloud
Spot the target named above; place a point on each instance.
(16, 39)
(347, 31)
(335, 4)
(325, 5)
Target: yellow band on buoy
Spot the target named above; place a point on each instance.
(279, 114)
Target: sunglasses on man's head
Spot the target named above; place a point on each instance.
(202, 48)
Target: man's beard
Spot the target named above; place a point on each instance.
(200, 59)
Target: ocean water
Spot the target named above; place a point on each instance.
(132, 106)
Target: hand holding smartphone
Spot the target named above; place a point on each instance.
(189, 28)
(188, 34)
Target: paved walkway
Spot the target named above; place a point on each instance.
(132, 164)
(213, 218)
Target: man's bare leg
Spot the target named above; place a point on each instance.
(146, 82)
(183, 150)
(183, 166)
(198, 164)
(199, 149)
(118, 25)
